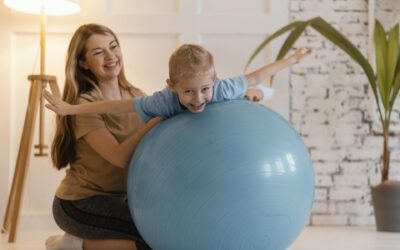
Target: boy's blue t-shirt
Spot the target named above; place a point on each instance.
(165, 103)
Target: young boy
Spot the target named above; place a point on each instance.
(192, 84)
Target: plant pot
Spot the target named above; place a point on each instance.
(386, 202)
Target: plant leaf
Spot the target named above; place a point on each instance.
(396, 88)
(292, 38)
(381, 58)
(278, 33)
(392, 55)
(337, 38)
(396, 82)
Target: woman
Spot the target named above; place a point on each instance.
(90, 203)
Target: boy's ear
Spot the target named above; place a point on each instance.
(171, 85)
(83, 64)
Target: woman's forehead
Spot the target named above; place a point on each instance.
(96, 40)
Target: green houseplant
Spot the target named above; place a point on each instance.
(384, 83)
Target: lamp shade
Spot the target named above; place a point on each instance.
(51, 7)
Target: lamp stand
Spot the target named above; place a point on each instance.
(38, 83)
(36, 100)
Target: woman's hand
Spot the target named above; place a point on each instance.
(56, 104)
(152, 123)
(119, 154)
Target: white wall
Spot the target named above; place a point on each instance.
(149, 31)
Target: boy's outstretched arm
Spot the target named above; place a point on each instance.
(109, 107)
(268, 70)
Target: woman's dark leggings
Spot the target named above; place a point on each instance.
(97, 217)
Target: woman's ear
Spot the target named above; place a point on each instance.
(171, 85)
(83, 64)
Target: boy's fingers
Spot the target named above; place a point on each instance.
(305, 51)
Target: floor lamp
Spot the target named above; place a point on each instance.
(36, 101)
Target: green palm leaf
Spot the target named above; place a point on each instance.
(381, 56)
(347, 46)
(385, 85)
(396, 82)
(329, 32)
(272, 37)
(393, 50)
(396, 88)
(292, 38)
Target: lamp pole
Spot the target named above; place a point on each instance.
(38, 83)
(41, 146)
(42, 40)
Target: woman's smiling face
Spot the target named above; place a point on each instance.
(103, 57)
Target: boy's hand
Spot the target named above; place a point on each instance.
(254, 95)
(259, 93)
(299, 55)
(56, 104)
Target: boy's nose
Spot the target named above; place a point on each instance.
(198, 97)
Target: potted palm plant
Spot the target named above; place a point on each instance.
(384, 83)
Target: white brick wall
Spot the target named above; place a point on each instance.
(331, 108)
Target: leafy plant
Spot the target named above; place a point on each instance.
(384, 83)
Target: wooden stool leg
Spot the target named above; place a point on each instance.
(41, 146)
(23, 159)
(10, 203)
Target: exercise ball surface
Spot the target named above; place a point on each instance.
(236, 176)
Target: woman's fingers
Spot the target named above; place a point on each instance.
(48, 96)
(155, 121)
(50, 107)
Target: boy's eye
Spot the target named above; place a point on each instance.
(206, 89)
(188, 91)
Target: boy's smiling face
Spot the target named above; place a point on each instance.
(194, 92)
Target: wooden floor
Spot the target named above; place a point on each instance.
(312, 238)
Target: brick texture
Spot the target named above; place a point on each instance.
(332, 109)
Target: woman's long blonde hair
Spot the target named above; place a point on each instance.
(78, 81)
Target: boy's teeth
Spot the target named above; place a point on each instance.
(197, 106)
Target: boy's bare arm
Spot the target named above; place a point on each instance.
(109, 107)
(266, 71)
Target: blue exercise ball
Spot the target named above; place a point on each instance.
(236, 176)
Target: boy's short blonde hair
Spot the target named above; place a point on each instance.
(190, 60)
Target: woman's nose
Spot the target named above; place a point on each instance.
(108, 54)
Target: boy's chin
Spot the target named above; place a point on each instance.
(196, 111)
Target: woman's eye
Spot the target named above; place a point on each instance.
(114, 46)
(97, 53)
